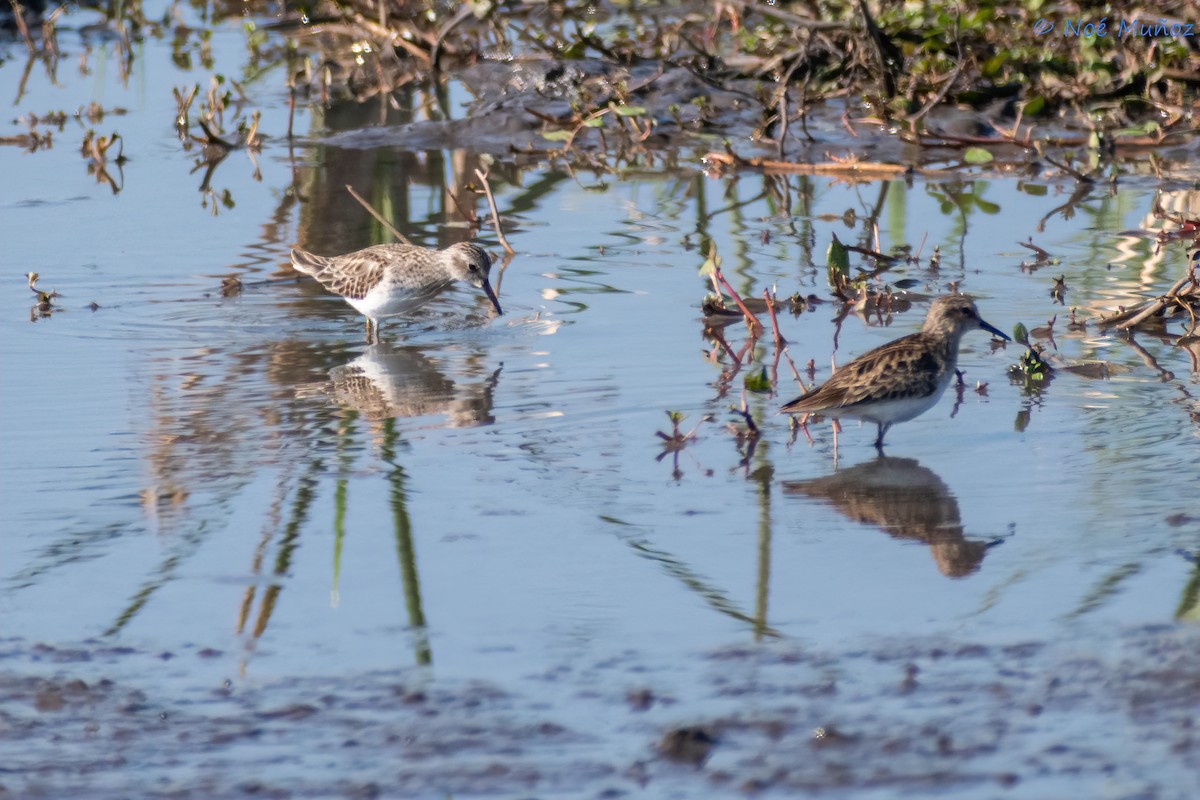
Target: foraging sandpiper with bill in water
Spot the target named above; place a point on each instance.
(903, 378)
(389, 280)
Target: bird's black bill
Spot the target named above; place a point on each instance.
(487, 289)
(994, 331)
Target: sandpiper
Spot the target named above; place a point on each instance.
(392, 279)
(903, 378)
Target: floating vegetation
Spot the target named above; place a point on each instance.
(758, 382)
(214, 141)
(44, 306)
(676, 439)
(95, 149)
(1032, 367)
(231, 286)
(837, 266)
(606, 82)
(1059, 290)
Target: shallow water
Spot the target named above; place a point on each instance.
(205, 492)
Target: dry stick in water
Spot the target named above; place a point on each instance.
(487, 189)
(19, 19)
(756, 327)
(377, 215)
(1156, 305)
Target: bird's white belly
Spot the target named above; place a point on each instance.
(381, 302)
(900, 409)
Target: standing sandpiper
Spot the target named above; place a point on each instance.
(903, 378)
(392, 279)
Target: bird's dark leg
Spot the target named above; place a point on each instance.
(883, 428)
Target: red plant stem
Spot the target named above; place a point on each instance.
(756, 327)
(779, 340)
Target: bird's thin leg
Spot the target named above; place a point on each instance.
(883, 428)
(804, 427)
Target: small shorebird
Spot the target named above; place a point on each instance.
(901, 379)
(392, 279)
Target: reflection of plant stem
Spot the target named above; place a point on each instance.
(165, 573)
(674, 567)
(404, 545)
(1189, 603)
(1108, 587)
(762, 476)
(305, 494)
(339, 500)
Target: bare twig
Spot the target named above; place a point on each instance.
(487, 189)
(1135, 316)
(19, 19)
(377, 215)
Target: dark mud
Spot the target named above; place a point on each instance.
(931, 717)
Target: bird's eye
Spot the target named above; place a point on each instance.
(473, 267)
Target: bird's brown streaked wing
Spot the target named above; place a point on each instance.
(901, 369)
(308, 263)
(354, 275)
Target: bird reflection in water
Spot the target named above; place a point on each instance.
(907, 501)
(387, 382)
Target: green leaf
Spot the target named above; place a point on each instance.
(837, 261)
(1150, 127)
(556, 136)
(977, 155)
(630, 111)
(991, 67)
(575, 50)
(759, 382)
(710, 265)
(1034, 107)
(1020, 333)
(593, 122)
